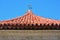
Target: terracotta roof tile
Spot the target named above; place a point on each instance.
(30, 18)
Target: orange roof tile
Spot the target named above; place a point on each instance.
(30, 18)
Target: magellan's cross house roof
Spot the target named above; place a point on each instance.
(28, 19)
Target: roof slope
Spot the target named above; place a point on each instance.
(30, 18)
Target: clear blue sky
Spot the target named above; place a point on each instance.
(14, 8)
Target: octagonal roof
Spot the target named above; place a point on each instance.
(30, 18)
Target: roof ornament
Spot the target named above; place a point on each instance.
(29, 7)
(29, 11)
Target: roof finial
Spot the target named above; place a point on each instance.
(29, 7)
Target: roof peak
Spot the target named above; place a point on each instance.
(29, 12)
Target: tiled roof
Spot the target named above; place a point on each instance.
(30, 18)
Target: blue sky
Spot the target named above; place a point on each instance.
(14, 8)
